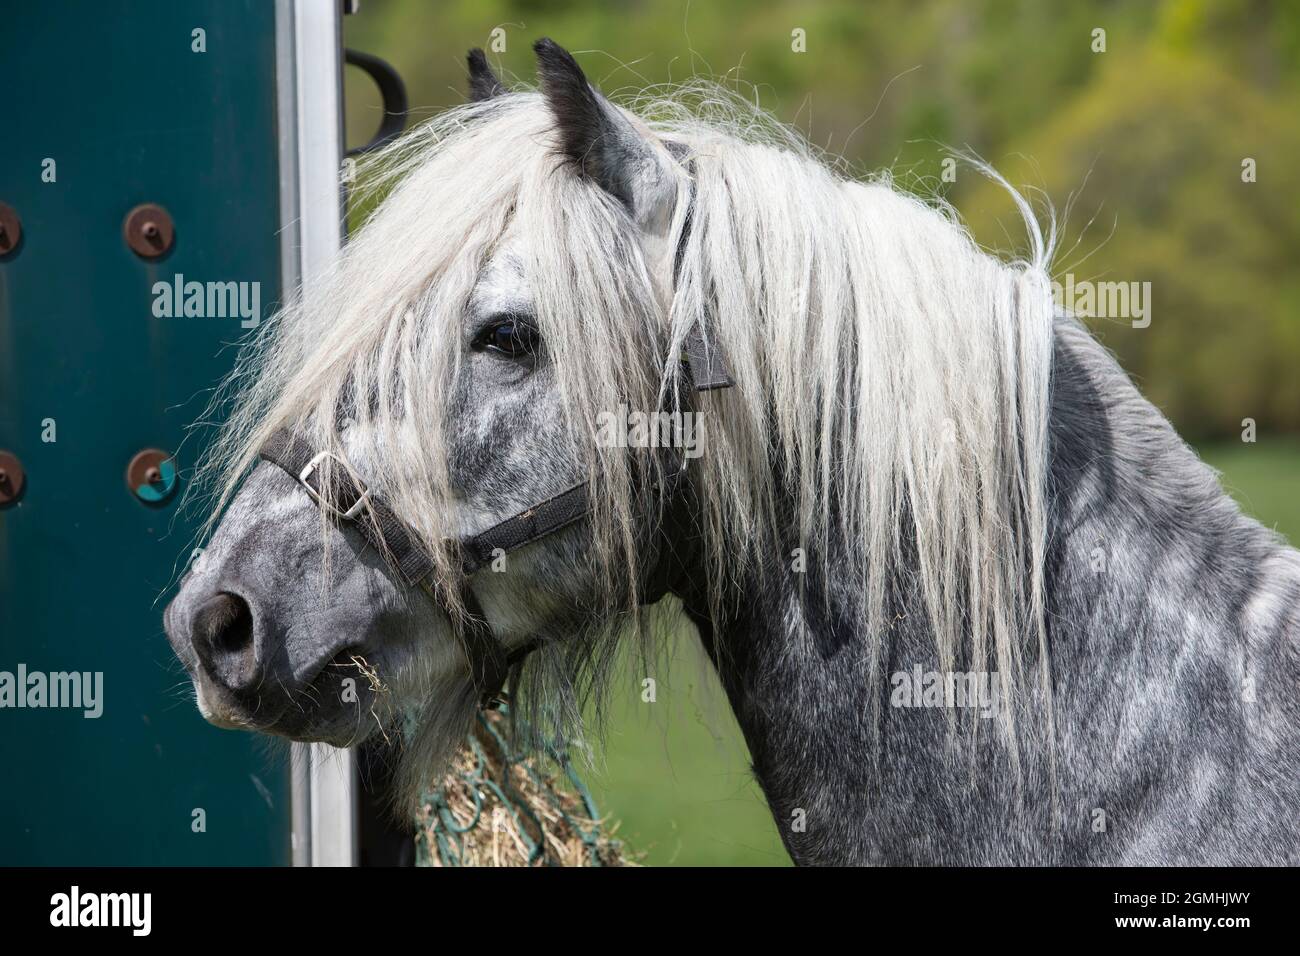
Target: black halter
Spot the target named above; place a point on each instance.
(350, 500)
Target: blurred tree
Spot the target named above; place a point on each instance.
(1147, 137)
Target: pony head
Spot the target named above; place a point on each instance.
(516, 278)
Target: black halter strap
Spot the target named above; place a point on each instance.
(348, 499)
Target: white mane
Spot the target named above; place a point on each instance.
(883, 362)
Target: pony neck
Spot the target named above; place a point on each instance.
(1158, 590)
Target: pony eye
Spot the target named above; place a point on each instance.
(509, 336)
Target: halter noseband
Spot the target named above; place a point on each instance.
(349, 500)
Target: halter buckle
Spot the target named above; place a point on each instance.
(363, 500)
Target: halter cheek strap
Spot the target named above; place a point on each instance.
(349, 500)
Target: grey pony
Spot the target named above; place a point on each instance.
(1175, 669)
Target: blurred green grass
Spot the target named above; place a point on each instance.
(675, 773)
(1264, 478)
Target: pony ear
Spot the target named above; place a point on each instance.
(601, 143)
(483, 83)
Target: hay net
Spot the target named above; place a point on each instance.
(499, 807)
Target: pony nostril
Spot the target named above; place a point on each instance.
(235, 632)
(225, 623)
(223, 640)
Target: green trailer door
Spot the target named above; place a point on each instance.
(109, 106)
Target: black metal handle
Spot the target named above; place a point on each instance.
(391, 90)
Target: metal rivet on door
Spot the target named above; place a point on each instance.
(11, 229)
(149, 231)
(12, 478)
(151, 476)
